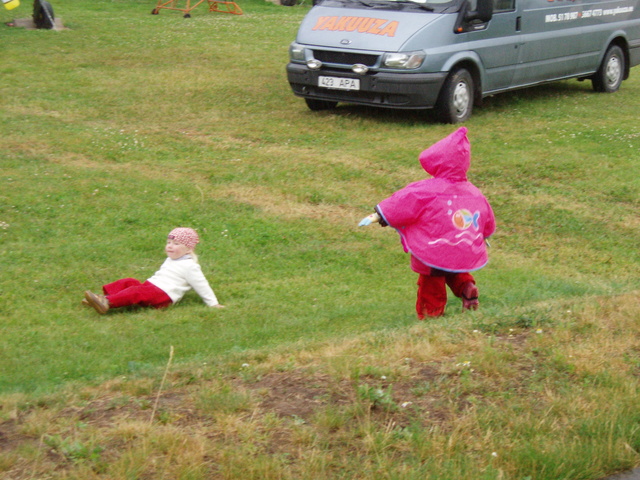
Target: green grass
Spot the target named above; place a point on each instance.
(127, 124)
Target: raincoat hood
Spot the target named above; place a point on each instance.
(448, 159)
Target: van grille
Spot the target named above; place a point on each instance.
(345, 58)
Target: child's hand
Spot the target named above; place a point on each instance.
(373, 218)
(217, 306)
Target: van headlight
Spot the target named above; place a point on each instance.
(404, 61)
(297, 52)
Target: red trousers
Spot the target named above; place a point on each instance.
(432, 291)
(129, 291)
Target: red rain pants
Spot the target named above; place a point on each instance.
(129, 291)
(432, 291)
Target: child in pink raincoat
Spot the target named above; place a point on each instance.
(443, 223)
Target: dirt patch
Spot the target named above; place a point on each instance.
(302, 395)
(30, 25)
(298, 394)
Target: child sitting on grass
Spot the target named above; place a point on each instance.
(443, 223)
(179, 273)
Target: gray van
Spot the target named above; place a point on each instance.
(450, 54)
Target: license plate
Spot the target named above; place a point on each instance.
(339, 83)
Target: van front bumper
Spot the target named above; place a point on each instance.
(380, 89)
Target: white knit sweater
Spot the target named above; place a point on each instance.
(177, 277)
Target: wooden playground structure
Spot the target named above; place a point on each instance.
(222, 6)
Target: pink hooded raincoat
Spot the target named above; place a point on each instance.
(442, 221)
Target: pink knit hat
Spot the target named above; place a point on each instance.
(184, 236)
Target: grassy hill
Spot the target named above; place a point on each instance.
(126, 124)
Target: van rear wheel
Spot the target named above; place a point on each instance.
(456, 97)
(611, 72)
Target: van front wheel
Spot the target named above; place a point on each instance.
(611, 72)
(456, 97)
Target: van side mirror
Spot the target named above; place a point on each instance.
(483, 11)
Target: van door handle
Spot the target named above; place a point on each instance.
(518, 23)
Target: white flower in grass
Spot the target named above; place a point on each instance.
(405, 404)
(494, 454)
(245, 365)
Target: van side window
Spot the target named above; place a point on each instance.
(503, 5)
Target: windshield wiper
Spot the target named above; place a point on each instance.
(423, 6)
(375, 4)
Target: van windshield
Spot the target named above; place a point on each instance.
(436, 6)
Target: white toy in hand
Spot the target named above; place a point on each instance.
(373, 218)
